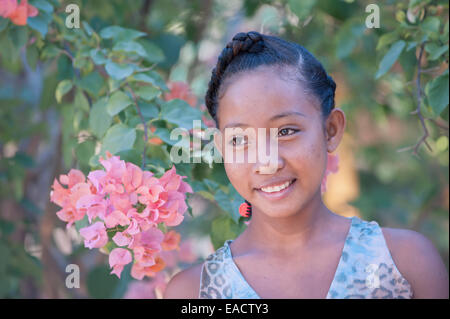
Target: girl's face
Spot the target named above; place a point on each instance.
(261, 99)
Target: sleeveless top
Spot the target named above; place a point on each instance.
(365, 270)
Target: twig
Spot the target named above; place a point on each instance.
(418, 111)
(431, 70)
(143, 122)
(419, 102)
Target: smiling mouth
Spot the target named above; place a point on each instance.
(278, 188)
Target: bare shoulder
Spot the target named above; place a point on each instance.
(418, 261)
(184, 284)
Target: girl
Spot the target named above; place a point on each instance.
(295, 247)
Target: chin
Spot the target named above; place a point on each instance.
(279, 211)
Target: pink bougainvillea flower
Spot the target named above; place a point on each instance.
(94, 205)
(145, 256)
(122, 202)
(74, 177)
(122, 238)
(170, 180)
(138, 271)
(133, 178)
(7, 7)
(17, 13)
(146, 244)
(118, 258)
(96, 178)
(171, 240)
(332, 167)
(116, 218)
(180, 90)
(59, 194)
(115, 167)
(152, 192)
(151, 238)
(95, 235)
(69, 215)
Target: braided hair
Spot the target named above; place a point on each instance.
(247, 51)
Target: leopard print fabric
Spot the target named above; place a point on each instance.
(365, 270)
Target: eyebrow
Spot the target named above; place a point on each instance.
(275, 117)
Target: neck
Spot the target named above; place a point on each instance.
(284, 234)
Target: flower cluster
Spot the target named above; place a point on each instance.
(126, 205)
(17, 13)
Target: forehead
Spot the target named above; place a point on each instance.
(257, 96)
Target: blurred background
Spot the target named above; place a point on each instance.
(392, 83)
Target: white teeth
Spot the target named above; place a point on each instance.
(276, 188)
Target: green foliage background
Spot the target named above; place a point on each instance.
(68, 95)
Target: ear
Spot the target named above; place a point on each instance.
(218, 141)
(334, 129)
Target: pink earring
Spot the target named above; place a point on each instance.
(245, 209)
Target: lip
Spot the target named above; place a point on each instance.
(277, 195)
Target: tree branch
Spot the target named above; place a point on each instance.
(418, 111)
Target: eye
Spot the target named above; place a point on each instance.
(237, 140)
(285, 131)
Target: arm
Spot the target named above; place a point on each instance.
(419, 262)
(185, 284)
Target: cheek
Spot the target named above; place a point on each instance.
(237, 174)
(308, 159)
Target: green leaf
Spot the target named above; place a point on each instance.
(224, 228)
(130, 47)
(149, 110)
(153, 53)
(430, 25)
(42, 20)
(117, 102)
(387, 39)
(84, 151)
(435, 50)
(164, 135)
(99, 118)
(179, 112)
(100, 283)
(3, 23)
(87, 28)
(119, 34)
(119, 138)
(39, 24)
(50, 51)
(348, 38)
(62, 88)
(42, 5)
(132, 156)
(81, 101)
(151, 77)
(92, 83)
(147, 92)
(437, 93)
(99, 56)
(389, 59)
(301, 8)
(118, 71)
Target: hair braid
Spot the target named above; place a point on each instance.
(251, 42)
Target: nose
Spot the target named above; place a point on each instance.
(271, 163)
